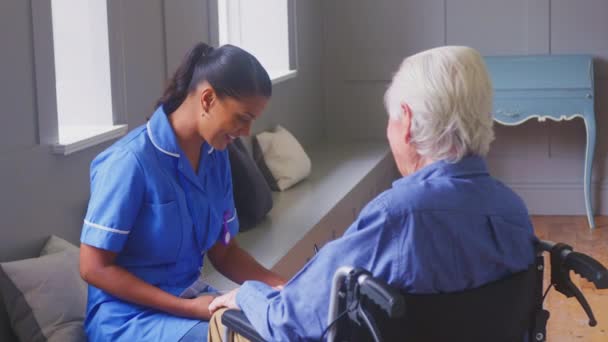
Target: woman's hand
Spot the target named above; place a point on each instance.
(227, 300)
(199, 307)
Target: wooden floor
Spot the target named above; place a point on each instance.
(568, 321)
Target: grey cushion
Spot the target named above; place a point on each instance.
(252, 195)
(45, 297)
(56, 244)
(281, 158)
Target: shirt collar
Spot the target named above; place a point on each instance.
(162, 136)
(467, 167)
(161, 133)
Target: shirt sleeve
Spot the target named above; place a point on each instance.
(231, 216)
(299, 311)
(117, 191)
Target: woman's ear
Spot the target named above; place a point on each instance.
(208, 97)
(406, 117)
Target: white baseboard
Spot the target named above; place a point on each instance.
(560, 198)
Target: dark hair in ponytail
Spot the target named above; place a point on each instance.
(230, 70)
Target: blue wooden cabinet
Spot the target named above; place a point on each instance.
(550, 87)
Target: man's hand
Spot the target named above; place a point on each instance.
(227, 300)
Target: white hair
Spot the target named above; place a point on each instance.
(449, 92)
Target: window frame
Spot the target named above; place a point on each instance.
(214, 32)
(45, 80)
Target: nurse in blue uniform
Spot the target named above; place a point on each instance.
(161, 198)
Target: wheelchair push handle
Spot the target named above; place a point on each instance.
(588, 268)
(579, 263)
(564, 260)
(386, 297)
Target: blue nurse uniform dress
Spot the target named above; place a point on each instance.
(149, 206)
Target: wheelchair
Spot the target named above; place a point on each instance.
(363, 308)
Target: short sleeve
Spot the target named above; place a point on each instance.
(117, 190)
(231, 216)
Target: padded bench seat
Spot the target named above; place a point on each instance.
(344, 177)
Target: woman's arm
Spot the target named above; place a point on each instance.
(97, 268)
(238, 266)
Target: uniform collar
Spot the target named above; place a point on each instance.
(161, 133)
(162, 136)
(467, 167)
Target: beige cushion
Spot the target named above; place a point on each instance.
(281, 158)
(45, 296)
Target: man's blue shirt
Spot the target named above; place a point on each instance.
(445, 228)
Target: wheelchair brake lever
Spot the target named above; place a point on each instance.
(583, 302)
(560, 278)
(370, 322)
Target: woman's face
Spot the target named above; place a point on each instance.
(228, 118)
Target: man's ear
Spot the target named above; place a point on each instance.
(406, 117)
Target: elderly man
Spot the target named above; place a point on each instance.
(446, 226)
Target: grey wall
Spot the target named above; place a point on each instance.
(42, 193)
(364, 42)
(347, 52)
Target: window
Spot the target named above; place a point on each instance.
(76, 108)
(264, 28)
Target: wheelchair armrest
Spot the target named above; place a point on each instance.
(236, 321)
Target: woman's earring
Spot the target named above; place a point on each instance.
(204, 114)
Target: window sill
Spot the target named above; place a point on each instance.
(76, 138)
(278, 76)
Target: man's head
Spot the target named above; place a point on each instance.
(439, 103)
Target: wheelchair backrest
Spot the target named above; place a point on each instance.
(499, 311)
